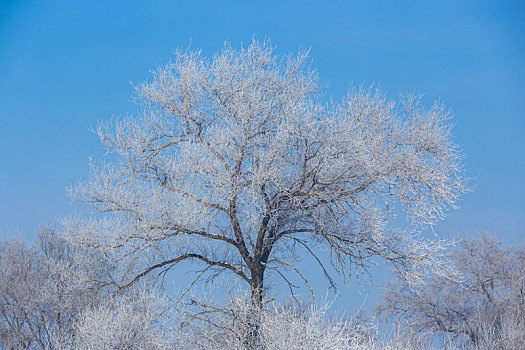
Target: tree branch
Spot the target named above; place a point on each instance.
(181, 258)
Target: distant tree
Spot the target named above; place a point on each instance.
(16, 266)
(485, 307)
(235, 162)
(42, 290)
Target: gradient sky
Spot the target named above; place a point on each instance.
(64, 65)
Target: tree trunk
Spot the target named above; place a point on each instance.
(256, 305)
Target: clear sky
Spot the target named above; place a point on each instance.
(66, 64)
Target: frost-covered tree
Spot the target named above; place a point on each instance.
(43, 288)
(17, 267)
(484, 308)
(293, 326)
(280, 327)
(236, 163)
(133, 321)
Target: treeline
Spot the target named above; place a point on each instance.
(55, 296)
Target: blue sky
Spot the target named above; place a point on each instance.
(66, 64)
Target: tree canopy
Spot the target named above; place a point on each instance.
(233, 162)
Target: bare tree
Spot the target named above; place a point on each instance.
(484, 308)
(235, 162)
